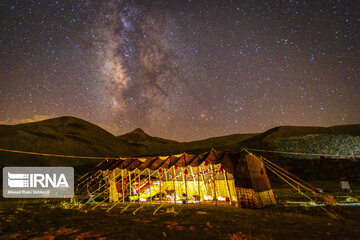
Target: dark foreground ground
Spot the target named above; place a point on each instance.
(36, 219)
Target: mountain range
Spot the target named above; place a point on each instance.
(74, 136)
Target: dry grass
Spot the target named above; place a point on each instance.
(38, 220)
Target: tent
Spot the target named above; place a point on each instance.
(208, 177)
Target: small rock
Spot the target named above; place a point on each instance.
(200, 212)
(209, 225)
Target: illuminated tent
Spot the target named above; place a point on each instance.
(215, 175)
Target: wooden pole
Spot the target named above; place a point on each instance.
(160, 187)
(122, 185)
(150, 186)
(166, 179)
(228, 186)
(203, 178)
(214, 177)
(111, 186)
(130, 186)
(138, 192)
(193, 176)
(199, 188)
(114, 196)
(185, 181)
(174, 180)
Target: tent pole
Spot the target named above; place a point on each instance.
(122, 185)
(214, 177)
(102, 192)
(130, 172)
(193, 176)
(203, 178)
(185, 179)
(111, 187)
(199, 188)
(160, 188)
(150, 186)
(130, 186)
(228, 186)
(166, 179)
(173, 172)
(138, 192)
(115, 195)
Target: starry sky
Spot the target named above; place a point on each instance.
(183, 70)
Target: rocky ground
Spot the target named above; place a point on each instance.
(39, 219)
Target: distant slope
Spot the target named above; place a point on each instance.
(320, 143)
(295, 131)
(73, 136)
(220, 143)
(278, 138)
(335, 140)
(138, 135)
(64, 135)
(159, 146)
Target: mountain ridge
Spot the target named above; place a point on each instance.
(74, 136)
(63, 135)
(139, 135)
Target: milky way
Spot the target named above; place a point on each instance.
(141, 61)
(183, 70)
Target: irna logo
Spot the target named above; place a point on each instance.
(38, 182)
(23, 180)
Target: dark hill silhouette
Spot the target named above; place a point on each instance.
(159, 146)
(74, 136)
(268, 139)
(296, 131)
(138, 135)
(63, 135)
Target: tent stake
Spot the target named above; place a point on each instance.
(125, 208)
(141, 206)
(158, 209)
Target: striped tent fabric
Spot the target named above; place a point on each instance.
(253, 189)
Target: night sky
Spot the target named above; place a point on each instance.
(182, 70)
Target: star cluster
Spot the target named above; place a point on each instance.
(183, 70)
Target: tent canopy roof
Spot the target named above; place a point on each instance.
(227, 160)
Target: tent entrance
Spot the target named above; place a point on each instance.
(204, 183)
